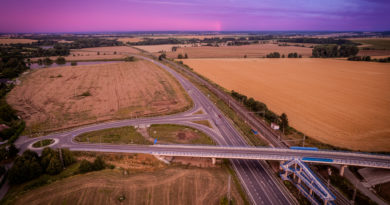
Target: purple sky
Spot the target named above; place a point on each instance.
(212, 15)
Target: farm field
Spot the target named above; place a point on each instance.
(57, 98)
(168, 186)
(105, 53)
(251, 51)
(376, 43)
(343, 103)
(15, 40)
(164, 47)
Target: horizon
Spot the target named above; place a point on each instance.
(45, 16)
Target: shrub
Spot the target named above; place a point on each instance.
(85, 166)
(273, 55)
(99, 163)
(162, 56)
(73, 63)
(130, 59)
(85, 94)
(60, 60)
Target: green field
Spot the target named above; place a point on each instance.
(178, 134)
(121, 135)
(375, 43)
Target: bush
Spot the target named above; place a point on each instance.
(273, 55)
(86, 94)
(73, 63)
(47, 61)
(162, 56)
(293, 55)
(130, 59)
(60, 61)
(99, 163)
(85, 166)
(180, 56)
(67, 157)
(54, 166)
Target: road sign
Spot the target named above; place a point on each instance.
(155, 141)
(254, 131)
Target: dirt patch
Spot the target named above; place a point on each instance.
(338, 102)
(117, 91)
(251, 51)
(168, 186)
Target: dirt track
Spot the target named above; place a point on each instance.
(339, 102)
(57, 98)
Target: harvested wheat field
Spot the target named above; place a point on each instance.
(168, 186)
(56, 98)
(343, 103)
(251, 51)
(161, 48)
(98, 53)
(16, 40)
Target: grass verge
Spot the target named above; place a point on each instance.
(43, 143)
(178, 134)
(121, 135)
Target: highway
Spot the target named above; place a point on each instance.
(261, 184)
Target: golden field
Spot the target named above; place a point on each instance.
(57, 98)
(343, 103)
(15, 40)
(167, 186)
(251, 51)
(161, 48)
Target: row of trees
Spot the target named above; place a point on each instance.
(273, 55)
(261, 110)
(96, 165)
(47, 61)
(11, 63)
(328, 51)
(368, 58)
(317, 40)
(29, 165)
(294, 55)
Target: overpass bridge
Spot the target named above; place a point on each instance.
(256, 153)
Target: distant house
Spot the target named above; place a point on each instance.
(274, 126)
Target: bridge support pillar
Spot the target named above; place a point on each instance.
(213, 160)
(311, 192)
(342, 169)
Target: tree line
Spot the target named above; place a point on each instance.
(29, 165)
(369, 59)
(261, 110)
(317, 40)
(329, 51)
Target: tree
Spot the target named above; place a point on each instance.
(73, 63)
(180, 56)
(60, 60)
(47, 154)
(85, 166)
(99, 163)
(12, 151)
(162, 56)
(283, 121)
(67, 157)
(98, 53)
(47, 61)
(114, 52)
(54, 166)
(25, 168)
(186, 56)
